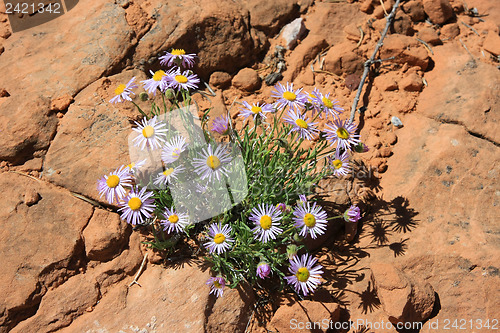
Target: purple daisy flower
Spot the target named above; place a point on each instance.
(282, 207)
(174, 221)
(255, 109)
(266, 218)
(353, 214)
(152, 133)
(294, 99)
(342, 134)
(311, 219)
(157, 81)
(136, 206)
(327, 106)
(112, 185)
(182, 80)
(178, 57)
(217, 285)
(212, 163)
(305, 276)
(301, 125)
(220, 125)
(124, 91)
(220, 240)
(340, 163)
(263, 270)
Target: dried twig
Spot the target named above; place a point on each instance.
(383, 7)
(466, 49)
(362, 36)
(471, 28)
(25, 175)
(426, 45)
(139, 272)
(210, 89)
(369, 62)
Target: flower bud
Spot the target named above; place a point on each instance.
(169, 94)
(361, 148)
(291, 251)
(143, 96)
(353, 214)
(263, 270)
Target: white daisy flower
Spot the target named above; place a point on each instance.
(177, 57)
(174, 220)
(152, 133)
(212, 163)
(220, 240)
(305, 278)
(301, 125)
(157, 81)
(340, 163)
(166, 177)
(182, 80)
(342, 134)
(217, 285)
(124, 91)
(173, 149)
(112, 185)
(137, 206)
(311, 219)
(133, 167)
(266, 218)
(294, 99)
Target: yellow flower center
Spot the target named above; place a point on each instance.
(120, 89)
(301, 123)
(178, 52)
(131, 165)
(327, 102)
(168, 172)
(256, 109)
(176, 152)
(158, 75)
(113, 181)
(289, 96)
(337, 164)
(342, 133)
(266, 222)
(219, 238)
(217, 284)
(213, 162)
(148, 131)
(302, 274)
(181, 79)
(135, 203)
(309, 220)
(173, 218)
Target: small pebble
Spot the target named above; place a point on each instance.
(396, 122)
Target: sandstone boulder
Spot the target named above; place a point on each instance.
(403, 298)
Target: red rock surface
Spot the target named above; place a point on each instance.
(429, 189)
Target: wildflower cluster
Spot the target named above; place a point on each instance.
(260, 232)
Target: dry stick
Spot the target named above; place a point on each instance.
(471, 28)
(362, 36)
(426, 45)
(369, 62)
(466, 49)
(139, 272)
